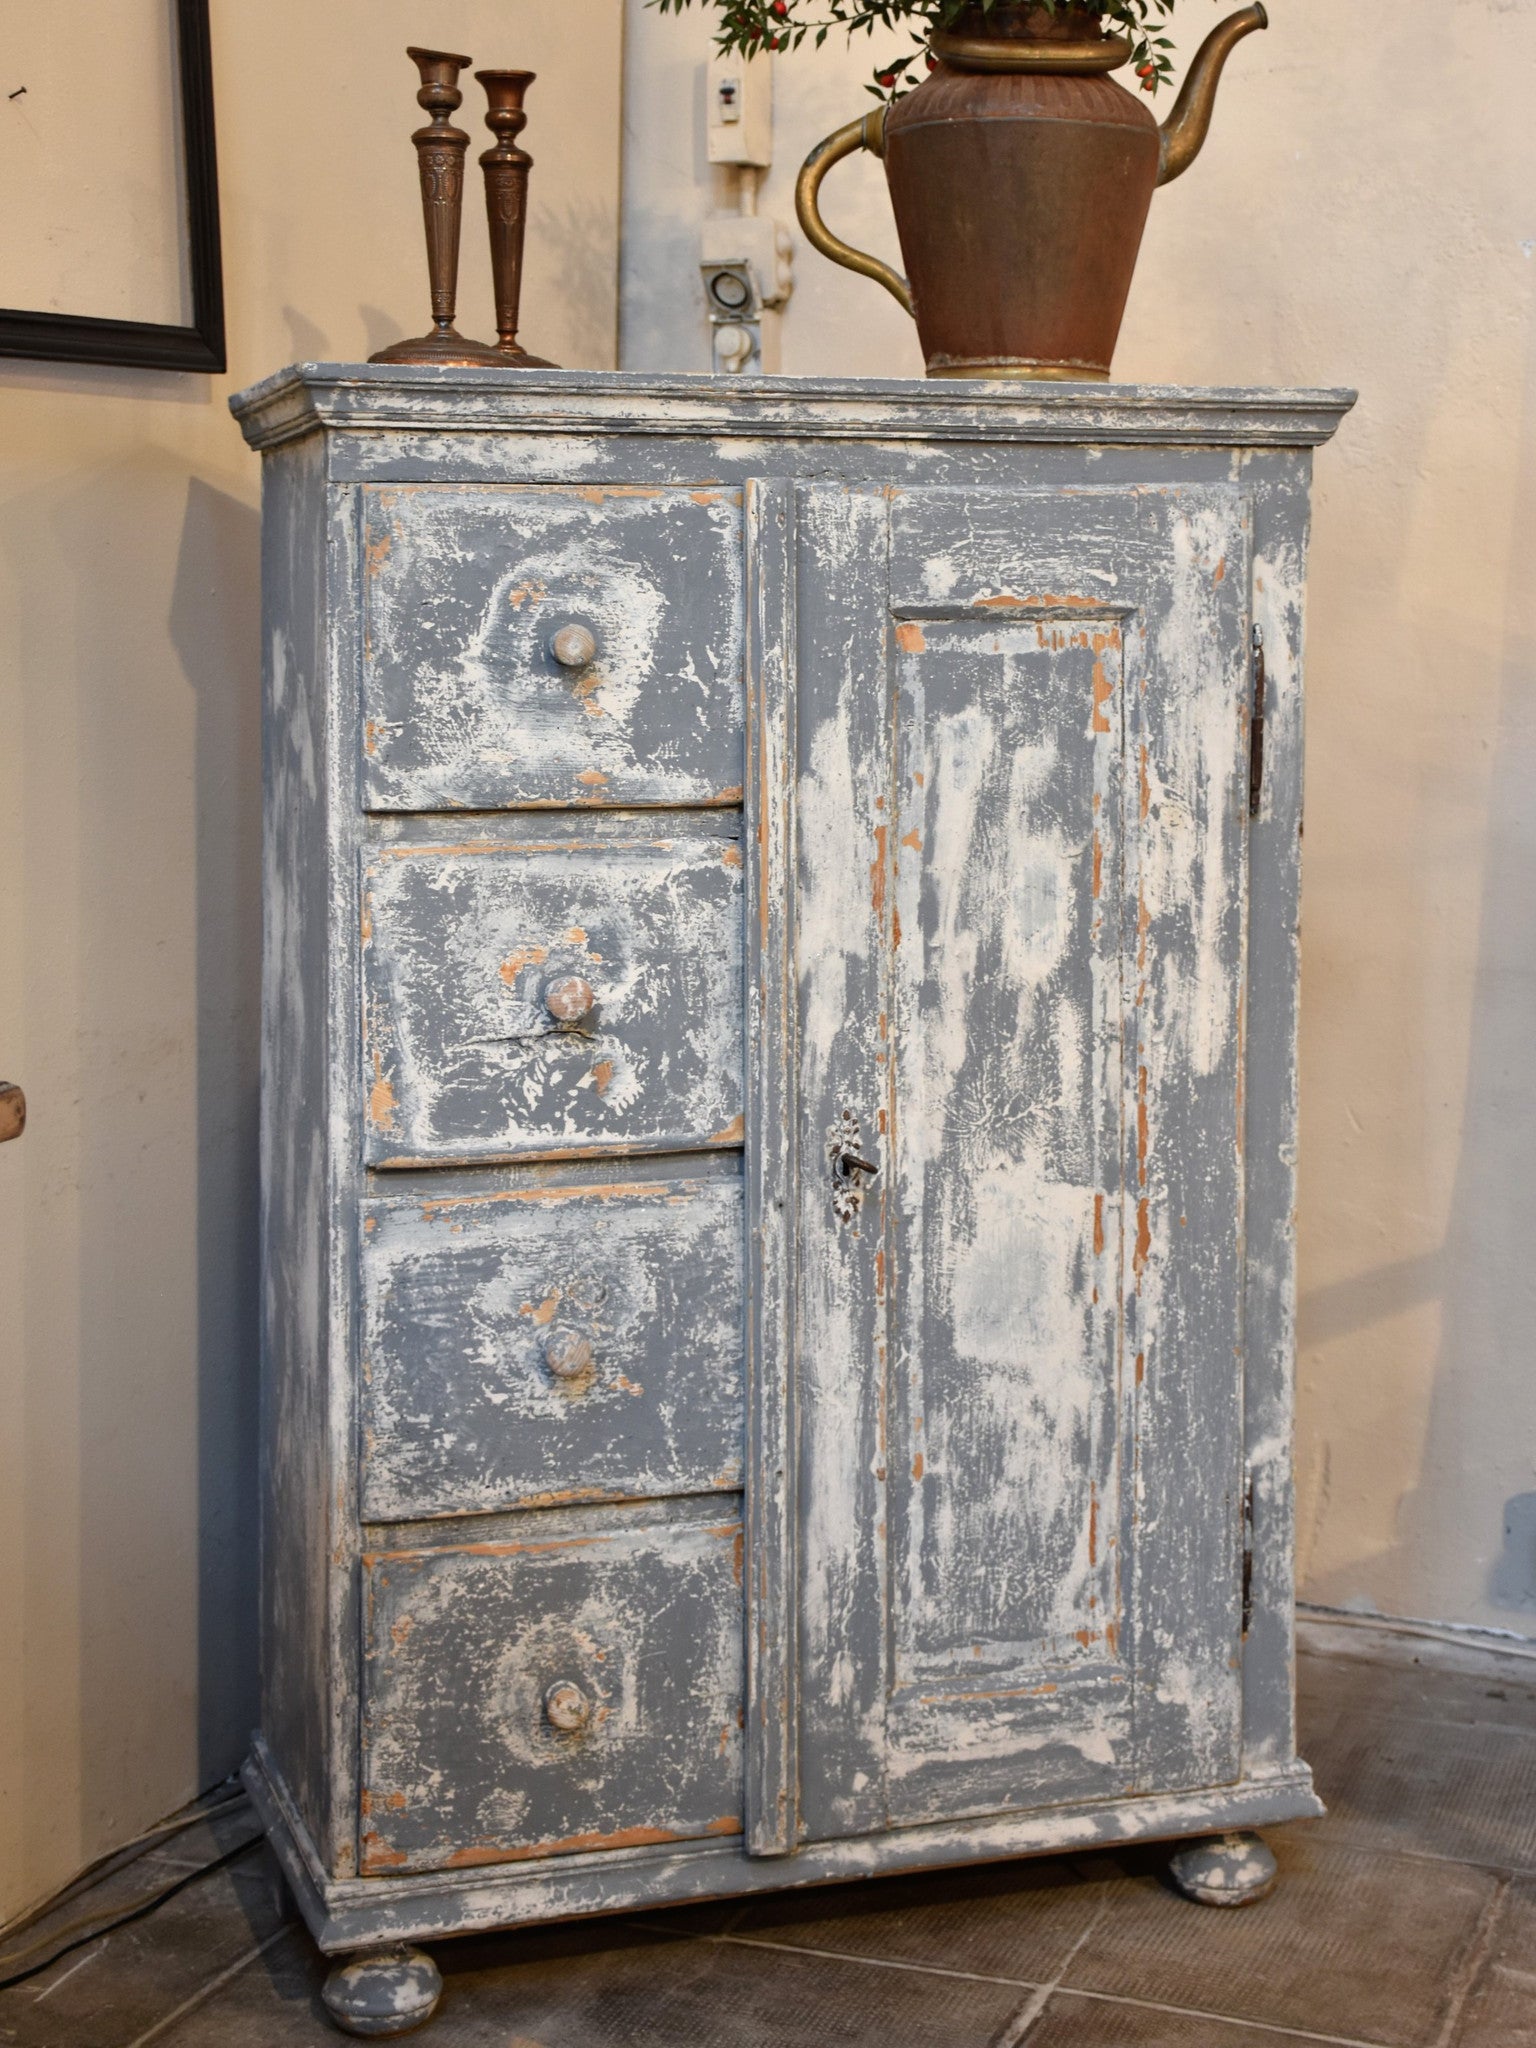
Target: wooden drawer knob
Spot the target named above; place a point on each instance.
(569, 1000)
(573, 646)
(568, 1354)
(13, 1111)
(567, 1707)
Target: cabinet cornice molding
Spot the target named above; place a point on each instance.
(370, 398)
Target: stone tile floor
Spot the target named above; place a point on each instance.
(1407, 1919)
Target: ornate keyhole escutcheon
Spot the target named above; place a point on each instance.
(850, 1166)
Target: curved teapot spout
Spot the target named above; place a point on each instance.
(1185, 129)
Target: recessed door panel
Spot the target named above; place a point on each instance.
(1006, 1212)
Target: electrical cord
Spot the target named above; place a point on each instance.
(119, 1858)
(27, 1958)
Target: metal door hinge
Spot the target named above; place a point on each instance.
(1247, 1548)
(1256, 727)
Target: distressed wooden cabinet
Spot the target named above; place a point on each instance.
(779, 1134)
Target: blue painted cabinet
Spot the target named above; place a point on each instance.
(778, 1129)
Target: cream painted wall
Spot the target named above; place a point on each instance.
(129, 907)
(1364, 213)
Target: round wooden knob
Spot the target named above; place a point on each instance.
(13, 1111)
(568, 1354)
(573, 646)
(567, 1707)
(569, 1000)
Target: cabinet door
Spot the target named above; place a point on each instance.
(1012, 830)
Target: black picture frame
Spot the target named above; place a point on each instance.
(145, 344)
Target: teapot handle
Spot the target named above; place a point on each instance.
(868, 132)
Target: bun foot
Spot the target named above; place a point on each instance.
(384, 1991)
(1224, 1870)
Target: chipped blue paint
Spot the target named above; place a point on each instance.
(643, 1521)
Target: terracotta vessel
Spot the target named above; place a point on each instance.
(1021, 175)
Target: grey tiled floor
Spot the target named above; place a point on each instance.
(1407, 1919)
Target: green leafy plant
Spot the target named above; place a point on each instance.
(751, 26)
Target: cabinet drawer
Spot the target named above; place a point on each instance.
(525, 1349)
(552, 1000)
(465, 701)
(580, 1691)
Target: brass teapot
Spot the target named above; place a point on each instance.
(1021, 175)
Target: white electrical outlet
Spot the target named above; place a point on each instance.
(754, 242)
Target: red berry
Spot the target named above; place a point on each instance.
(780, 8)
(933, 62)
(887, 79)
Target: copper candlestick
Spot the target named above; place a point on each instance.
(506, 168)
(440, 162)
